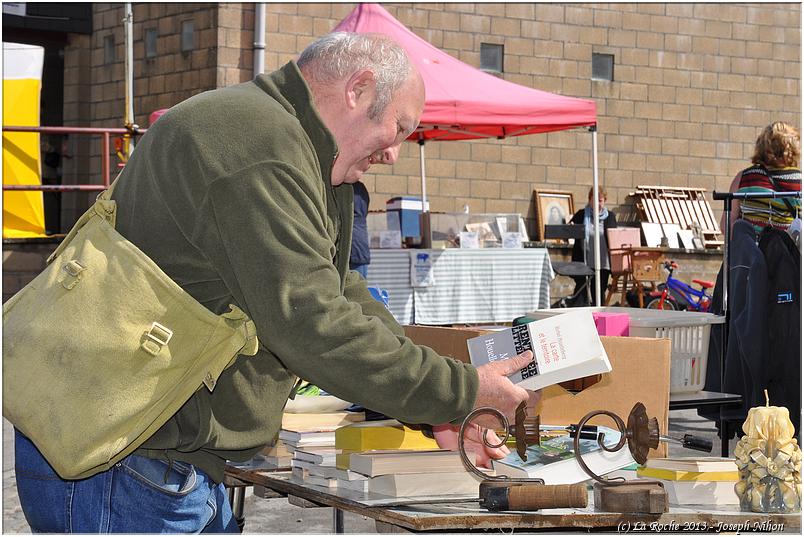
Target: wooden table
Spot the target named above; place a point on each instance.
(464, 516)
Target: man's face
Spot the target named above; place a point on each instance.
(364, 141)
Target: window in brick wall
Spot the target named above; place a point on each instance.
(108, 49)
(602, 66)
(150, 42)
(491, 57)
(187, 36)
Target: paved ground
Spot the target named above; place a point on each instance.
(276, 516)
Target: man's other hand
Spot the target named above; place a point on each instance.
(447, 437)
(497, 391)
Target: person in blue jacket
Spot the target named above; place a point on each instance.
(360, 256)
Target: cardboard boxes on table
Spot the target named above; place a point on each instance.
(640, 373)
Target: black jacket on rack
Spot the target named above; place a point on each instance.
(764, 345)
(783, 310)
(747, 346)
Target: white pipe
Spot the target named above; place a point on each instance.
(128, 24)
(424, 177)
(259, 39)
(595, 215)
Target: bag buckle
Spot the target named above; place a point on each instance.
(73, 269)
(155, 338)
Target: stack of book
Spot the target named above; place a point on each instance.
(406, 473)
(386, 458)
(695, 481)
(313, 431)
(395, 473)
(374, 435)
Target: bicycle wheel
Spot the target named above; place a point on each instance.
(656, 304)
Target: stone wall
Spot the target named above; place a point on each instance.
(693, 86)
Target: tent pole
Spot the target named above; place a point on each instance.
(423, 176)
(424, 222)
(596, 215)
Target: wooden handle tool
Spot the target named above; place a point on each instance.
(531, 497)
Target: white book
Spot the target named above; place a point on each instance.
(299, 439)
(554, 460)
(320, 481)
(701, 492)
(327, 471)
(317, 455)
(381, 462)
(425, 484)
(565, 347)
(356, 485)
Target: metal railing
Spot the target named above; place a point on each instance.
(105, 132)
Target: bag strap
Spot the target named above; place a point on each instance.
(247, 328)
(104, 207)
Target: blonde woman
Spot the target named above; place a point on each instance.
(775, 168)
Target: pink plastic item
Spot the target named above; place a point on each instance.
(611, 324)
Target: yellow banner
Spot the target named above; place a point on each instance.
(23, 212)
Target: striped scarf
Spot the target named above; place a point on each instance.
(762, 213)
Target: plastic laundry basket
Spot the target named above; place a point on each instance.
(688, 333)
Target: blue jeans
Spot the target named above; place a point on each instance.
(361, 269)
(137, 495)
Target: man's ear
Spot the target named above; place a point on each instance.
(359, 87)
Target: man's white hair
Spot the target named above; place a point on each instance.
(340, 54)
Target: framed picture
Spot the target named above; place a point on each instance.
(553, 207)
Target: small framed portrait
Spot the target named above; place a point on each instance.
(553, 207)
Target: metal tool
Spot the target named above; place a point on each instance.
(642, 434)
(502, 493)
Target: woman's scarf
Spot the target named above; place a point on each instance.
(590, 234)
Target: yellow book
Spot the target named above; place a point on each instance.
(385, 434)
(680, 475)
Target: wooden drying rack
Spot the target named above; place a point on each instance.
(685, 206)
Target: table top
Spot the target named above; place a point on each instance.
(464, 515)
(698, 399)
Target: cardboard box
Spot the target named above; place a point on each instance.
(640, 373)
(445, 341)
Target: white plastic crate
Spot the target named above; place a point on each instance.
(687, 331)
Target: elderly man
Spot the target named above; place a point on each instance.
(242, 195)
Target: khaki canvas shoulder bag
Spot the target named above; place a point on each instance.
(102, 348)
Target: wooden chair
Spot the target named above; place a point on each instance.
(620, 241)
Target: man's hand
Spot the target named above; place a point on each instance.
(447, 437)
(497, 391)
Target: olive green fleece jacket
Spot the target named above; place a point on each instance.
(229, 193)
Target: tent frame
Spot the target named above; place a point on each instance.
(427, 239)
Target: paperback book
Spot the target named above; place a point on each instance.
(420, 484)
(693, 464)
(383, 434)
(320, 421)
(373, 463)
(327, 471)
(565, 347)
(298, 439)
(554, 460)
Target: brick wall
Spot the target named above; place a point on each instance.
(693, 86)
(95, 88)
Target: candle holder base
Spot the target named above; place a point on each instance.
(635, 496)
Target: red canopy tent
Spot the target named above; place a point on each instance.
(463, 103)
